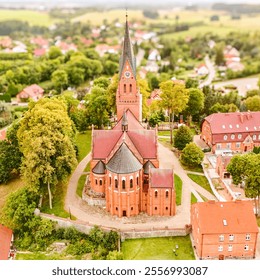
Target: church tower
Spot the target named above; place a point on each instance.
(128, 95)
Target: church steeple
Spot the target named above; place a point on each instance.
(127, 52)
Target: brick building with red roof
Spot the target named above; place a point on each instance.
(33, 92)
(6, 242)
(125, 174)
(224, 229)
(231, 132)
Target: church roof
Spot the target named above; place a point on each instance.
(145, 142)
(123, 161)
(133, 123)
(147, 166)
(127, 53)
(99, 168)
(161, 178)
(104, 141)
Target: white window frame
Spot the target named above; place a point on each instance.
(248, 236)
(239, 136)
(220, 248)
(238, 144)
(232, 136)
(230, 248)
(228, 146)
(219, 146)
(231, 237)
(225, 137)
(221, 238)
(246, 248)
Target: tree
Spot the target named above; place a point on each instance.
(59, 79)
(54, 52)
(253, 103)
(182, 137)
(174, 98)
(192, 155)
(144, 90)
(46, 137)
(196, 102)
(219, 58)
(245, 170)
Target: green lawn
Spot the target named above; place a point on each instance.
(58, 202)
(83, 141)
(178, 188)
(202, 181)
(164, 133)
(193, 199)
(87, 168)
(32, 17)
(193, 169)
(5, 190)
(160, 248)
(43, 256)
(81, 184)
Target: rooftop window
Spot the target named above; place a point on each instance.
(225, 222)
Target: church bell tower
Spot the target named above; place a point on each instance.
(128, 95)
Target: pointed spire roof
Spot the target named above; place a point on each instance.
(123, 161)
(128, 52)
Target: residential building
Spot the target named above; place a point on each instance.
(224, 229)
(6, 242)
(231, 132)
(125, 175)
(33, 92)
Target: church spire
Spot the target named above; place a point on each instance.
(128, 52)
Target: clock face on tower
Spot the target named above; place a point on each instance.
(127, 74)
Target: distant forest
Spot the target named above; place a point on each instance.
(237, 8)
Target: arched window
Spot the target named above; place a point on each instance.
(110, 180)
(124, 88)
(130, 88)
(131, 183)
(123, 184)
(116, 183)
(137, 181)
(167, 194)
(156, 193)
(96, 181)
(100, 182)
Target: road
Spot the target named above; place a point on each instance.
(211, 74)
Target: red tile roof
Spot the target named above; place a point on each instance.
(161, 178)
(225, 217)
(5, 242)
(133, 123)
(34, 91)
(234, 122)
(145, 142)
(103, 142)
(3, 134)
(39, 52)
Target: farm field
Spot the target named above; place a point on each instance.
(160, 248)
(32, 17)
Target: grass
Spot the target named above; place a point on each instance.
(43, 256)
(32, 17)
(193, 199)
(178, 189)
(58, 202)
(87, 168)
(160, 248)
(164, 133)
(258, 221)
(202, 181)
(83, 141)
(6, 190)
(193, 169)
(81, 184)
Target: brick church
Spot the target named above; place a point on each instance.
(125, 171)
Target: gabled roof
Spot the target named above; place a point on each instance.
(5, 242)
(234, 122)
(124, 161)
(127, 53)
(31, 91)
(225, 217)
(145, 142)
(99, 168)
(103, 142)
(133, 123)
(161, 178)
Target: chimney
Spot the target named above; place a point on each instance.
(241, 117)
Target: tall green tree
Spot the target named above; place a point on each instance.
(196, 102)
(46, 137)
(245, 170)
(60, 79)
(253, 103)
(182, 137)
(192, 155)
(174, 99)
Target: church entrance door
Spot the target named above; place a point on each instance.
(124, 213)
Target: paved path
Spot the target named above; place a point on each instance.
(211, 75)
(97, 216)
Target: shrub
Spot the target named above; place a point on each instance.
(192, 155)
(182, 137)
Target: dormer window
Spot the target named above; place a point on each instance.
(232, 136)
(239, 136)
(225, 137)
(223, 126)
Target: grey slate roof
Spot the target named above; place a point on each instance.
(99, 168)
(148, 165)
(127, 53)
(123, 161)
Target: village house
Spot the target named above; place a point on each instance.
(224, 229)
(236, 132)
(102, 49)
(6, 242)
(125, 175)
(202, 70)
(221, 166)
(33, 92)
